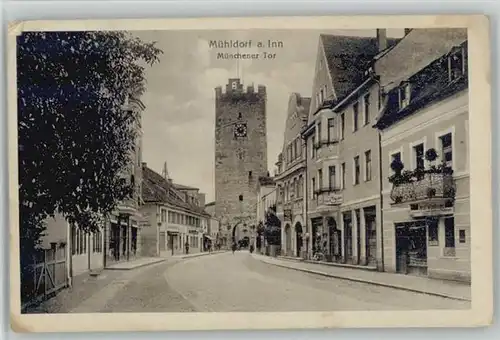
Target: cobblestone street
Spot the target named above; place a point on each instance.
(225, 283)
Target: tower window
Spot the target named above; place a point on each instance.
(241, 198)
(239, 115)
(249, 174)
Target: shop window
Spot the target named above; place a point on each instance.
(461, 236)
(432, 226)
(449, 232)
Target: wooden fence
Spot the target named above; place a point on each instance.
(46, 276)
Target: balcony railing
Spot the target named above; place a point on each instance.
(329, 195)
(429, 187)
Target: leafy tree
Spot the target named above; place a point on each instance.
(272, 230)
(75, 137)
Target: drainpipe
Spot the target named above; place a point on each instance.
(306, 199)
(381, 187)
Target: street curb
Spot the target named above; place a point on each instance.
(138, 266)
(201, 254)
(375, 283)
(331, 264)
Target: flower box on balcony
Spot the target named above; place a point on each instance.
(423, 186)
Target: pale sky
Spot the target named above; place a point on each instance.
(179, 119)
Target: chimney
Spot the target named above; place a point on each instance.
(144, 165)
(407, 30)
(381, 39)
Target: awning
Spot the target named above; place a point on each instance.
(207, 236)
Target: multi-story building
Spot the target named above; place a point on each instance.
(266, 198)
(342, 187)
(122, 233)
(118, 239)
(240, 153)
(175, 218)
(424, 114)
(219, 235)
(290, 177)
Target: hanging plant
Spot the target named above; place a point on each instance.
(397, 166)
(431, 192)
(431, 155)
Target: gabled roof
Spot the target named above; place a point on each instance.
(427, 86)
(156, 189)
(348, 57)
(184, 187)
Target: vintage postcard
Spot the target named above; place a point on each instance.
(250, 173)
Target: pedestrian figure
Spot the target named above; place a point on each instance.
(234, 247)
(187, 247)
(251, 248)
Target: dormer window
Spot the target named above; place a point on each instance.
(456, 64)
(234, 85)
(404, 95)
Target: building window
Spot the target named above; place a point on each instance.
(395, 157)
(332, 177)
(366, 111)
(368, 165)
(317, 100)
(355, 116)
(343, 175)
(404, 95)
(313, 188)
(319, 133)
(449, 234)
(446, 150)
(418, 154)
(299, 148)
(301, 181)
(312, 146)
(456, 64)
(233, 85)
(321, 97)
(432, 225)
(461, 236)
(342, 126)
(331, 129)
(356, 170)
(320, 178)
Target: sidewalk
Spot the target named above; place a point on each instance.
(140, 262)
(442, 288)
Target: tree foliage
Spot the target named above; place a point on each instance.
(272, 229)
(75, 137)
